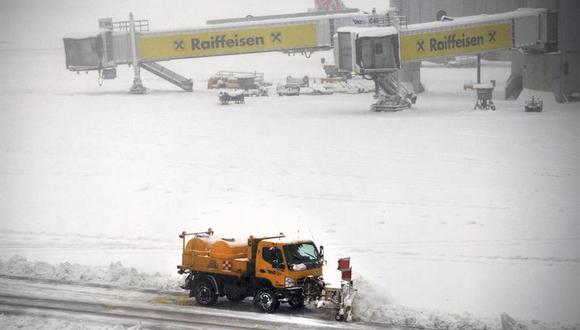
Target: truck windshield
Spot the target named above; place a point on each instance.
(303, 253)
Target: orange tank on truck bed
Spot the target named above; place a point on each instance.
(225, 256)
(271, 269)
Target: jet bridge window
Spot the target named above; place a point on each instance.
(378, 53)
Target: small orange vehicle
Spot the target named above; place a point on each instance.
(271, 269)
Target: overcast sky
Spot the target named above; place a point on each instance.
(43, 23)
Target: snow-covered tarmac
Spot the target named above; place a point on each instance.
(440, 207)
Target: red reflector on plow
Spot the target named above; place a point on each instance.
(344, 264)
(347, 275)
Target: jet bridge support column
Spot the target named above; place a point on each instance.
(479, 68)
(137, 87)
(411, 74)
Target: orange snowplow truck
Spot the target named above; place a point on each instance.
(272, 270)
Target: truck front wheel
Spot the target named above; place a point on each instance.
(205, 294)
(266, 301)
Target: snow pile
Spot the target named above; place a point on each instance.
(371, 306)
(116, 274)
(9, 322)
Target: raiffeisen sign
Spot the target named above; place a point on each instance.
(227, 42)
(456, 41)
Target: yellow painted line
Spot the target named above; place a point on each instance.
(173, 300)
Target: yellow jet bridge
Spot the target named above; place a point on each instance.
(132, 43)
(379, 52)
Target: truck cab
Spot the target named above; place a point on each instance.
(285, 264)
(286, 271)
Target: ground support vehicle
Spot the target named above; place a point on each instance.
(288, 89)
(535, 104)
(226, 97)
(272, 270)
(484, 95)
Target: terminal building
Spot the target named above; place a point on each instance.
(557, 70)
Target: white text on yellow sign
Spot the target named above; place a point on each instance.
(227, 42)
(456, 42)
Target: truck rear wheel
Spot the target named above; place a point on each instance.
(266, 301)
(205, 294)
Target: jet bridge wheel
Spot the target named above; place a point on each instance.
(266, 301)
(205, 294)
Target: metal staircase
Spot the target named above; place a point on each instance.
(391, 94)
(171, 76)
(514, 86)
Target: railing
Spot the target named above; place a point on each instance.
(389, 20)
(259, 76)
(141, 25)
(171, 76)
(164, 71)
(391, 84)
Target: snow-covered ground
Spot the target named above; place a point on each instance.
(443, 209)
